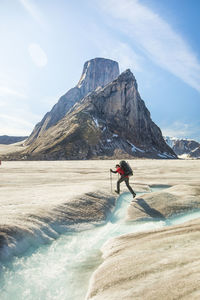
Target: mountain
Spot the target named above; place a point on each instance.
(97, 72)
(112, 121)
(6, 140)
(184, 147)
(170, 140)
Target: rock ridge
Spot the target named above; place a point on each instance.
(185, 148)
(96, 72)
(111, 121)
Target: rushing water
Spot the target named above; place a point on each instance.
(62, 270)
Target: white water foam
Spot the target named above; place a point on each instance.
(62, 269)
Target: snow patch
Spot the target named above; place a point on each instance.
(161, 155)
(195, 149)
(134, 148)
(184, 156)
(96, 122)
(170, 140)
(98, 88)
(165, 155)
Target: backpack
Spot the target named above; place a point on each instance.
(126, 168)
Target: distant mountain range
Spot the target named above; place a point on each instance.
(184, 147)
(102, 117)
(6, 140)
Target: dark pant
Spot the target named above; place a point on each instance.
(126, 179)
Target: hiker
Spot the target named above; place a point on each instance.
(123, 177)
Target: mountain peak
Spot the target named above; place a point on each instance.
(127, 75)
(97, 72)
(111, 121)
(91, 122)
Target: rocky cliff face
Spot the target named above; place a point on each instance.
(96, 72)
(112, 121)
(189, 148)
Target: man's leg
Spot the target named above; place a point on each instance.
(129, 187)
(118, 183)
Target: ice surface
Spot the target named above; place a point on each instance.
(62, 269)
(30, 194)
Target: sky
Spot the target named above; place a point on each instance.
(44, 44)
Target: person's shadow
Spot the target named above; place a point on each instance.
(152, 212)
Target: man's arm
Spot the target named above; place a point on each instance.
(113, 171)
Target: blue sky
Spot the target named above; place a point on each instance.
(45, 43)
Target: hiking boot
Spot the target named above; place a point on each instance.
(134, 195)
(116, 192)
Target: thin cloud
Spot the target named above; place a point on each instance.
(17, 123)
(12, 87)
(32, 9)
(182, 130)
(38, 55)
(155, 38)
(114, 49)
(122, 53)
(15, 119)
(12, 125)
(7, 91)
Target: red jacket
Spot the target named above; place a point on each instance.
(120, 171)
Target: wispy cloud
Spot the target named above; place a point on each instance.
(12, 84)
(7, 91)
(180, 129)
(10, 88)
(33, 10)
(113, 48)
(38, 55)
(17, 122)
(122, 53)
(155, 37)
(15, 119)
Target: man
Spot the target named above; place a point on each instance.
(122, 178)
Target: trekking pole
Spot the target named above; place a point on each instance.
(111, 181)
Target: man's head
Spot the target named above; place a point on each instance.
(117, 166)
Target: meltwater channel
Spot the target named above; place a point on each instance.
(62, 269)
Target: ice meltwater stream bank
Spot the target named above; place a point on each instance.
(62, 269)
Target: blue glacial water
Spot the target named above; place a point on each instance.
(62, 269)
